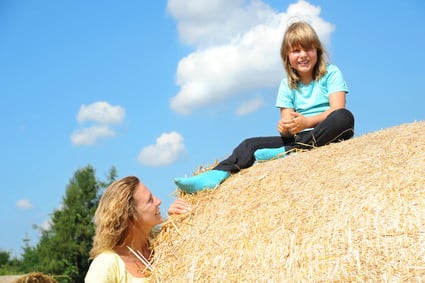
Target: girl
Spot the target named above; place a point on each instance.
(311, 100)
(126, 214)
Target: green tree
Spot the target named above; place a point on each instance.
(8, 265)
(4, 262)
(63, 248)
(4, 257)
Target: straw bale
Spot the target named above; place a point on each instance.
(35, 277)
(352, 211)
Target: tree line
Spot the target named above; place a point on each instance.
(63, 249)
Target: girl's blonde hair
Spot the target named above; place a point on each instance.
(302, 34)
(114, 215)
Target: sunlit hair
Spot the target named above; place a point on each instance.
(302, 34)
(114, 215)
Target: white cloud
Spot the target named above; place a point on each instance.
(102, 115)
(101, 112)
(24, 204)
(46, 225)
(167, 149)
(305, 11)
(249, 106)
(203, 23)
(91, 135)
(234, 57)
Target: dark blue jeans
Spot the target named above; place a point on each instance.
(338, 126)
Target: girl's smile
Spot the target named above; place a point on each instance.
(303, 61)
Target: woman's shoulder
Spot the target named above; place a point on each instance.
(111, 260)
(106, 267)
(108, 254)
(108, 257)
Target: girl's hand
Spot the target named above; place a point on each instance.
(284, 126)
(178, 206)
(295, 124)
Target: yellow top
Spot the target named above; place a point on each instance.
(108, 267)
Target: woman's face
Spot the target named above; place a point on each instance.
(303, 60)
(147, 208)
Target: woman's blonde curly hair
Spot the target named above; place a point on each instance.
(114, 215)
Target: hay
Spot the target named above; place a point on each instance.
(35, 277)
(350, 211)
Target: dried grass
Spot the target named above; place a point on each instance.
(35, 277)
(347, 212)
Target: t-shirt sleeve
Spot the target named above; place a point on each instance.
(285, 97)
(103, 269)
(335, 80)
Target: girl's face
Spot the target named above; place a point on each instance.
(147, 208)
(303, 60)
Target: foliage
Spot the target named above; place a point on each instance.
(7, 264)
(63, 248)
(4, 257)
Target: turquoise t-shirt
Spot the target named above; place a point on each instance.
(311, 99)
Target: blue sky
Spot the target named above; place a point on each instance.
(158, 88)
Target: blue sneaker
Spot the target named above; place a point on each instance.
(264, 154)
(206, 180)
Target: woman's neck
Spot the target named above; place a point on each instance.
(137, 239)
(136, 242)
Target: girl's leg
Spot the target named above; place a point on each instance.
(241, 157)
(338, 126)
(207, 180)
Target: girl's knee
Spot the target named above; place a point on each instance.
(346, 121)
(344, 116)
(343, 112)
(250, 141)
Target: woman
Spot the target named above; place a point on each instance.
(124, 219)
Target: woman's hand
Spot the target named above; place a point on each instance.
(178, 206)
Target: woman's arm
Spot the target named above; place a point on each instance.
(178, 206)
